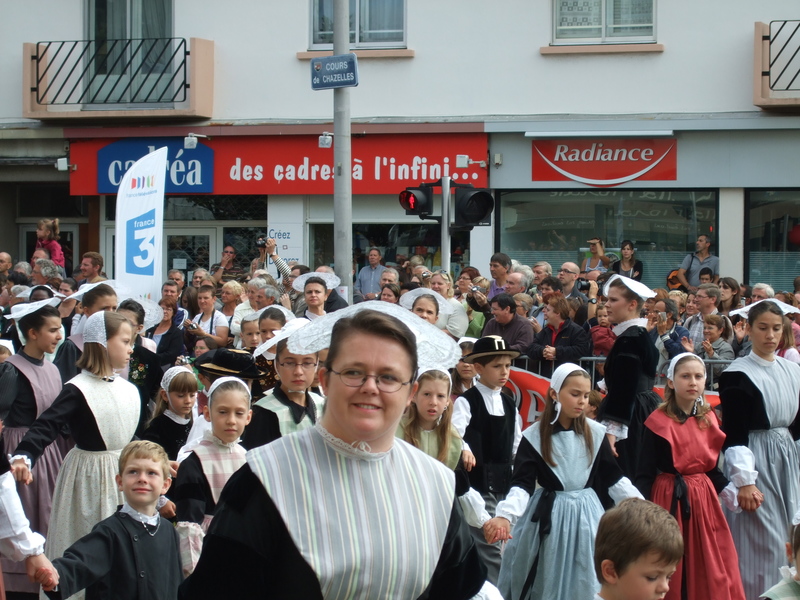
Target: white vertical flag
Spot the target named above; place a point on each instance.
(140, 225)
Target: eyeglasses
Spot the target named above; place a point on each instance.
(290, 364)
(567, 271)
(356, 378)
(699, 297)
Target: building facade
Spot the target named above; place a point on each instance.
(627, 119)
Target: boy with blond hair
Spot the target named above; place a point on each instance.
(636, 551)
(133, 554)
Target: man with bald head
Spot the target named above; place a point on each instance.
(5, 263)
(568, 275)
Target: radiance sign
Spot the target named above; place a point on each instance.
(605, 163)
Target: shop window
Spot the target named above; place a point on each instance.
(773, 250)
(554, 225)
(50, 201)
(603, 21)
(206, 208)
(373, 24)
(396, 242)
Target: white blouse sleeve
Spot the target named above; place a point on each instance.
(740, 466)
(474, 508)
(514, 505)
(17, 541)
(624, 489)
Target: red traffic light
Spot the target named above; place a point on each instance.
(417, 201)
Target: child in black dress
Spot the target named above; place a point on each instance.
(172, 418)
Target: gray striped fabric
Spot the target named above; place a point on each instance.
(370, 526)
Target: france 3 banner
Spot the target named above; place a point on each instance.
(529, 391)
(140, 225)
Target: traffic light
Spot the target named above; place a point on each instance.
(417, 201)
(472, 206)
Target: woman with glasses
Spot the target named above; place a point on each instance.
(464, 282)
(291, 406)
(456, 322)
(344, 509)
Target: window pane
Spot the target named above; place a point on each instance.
(774, 251)
(579, 19)
(206, 208)
(628, 18)
(381, 21)
(554, 226)
(323, 22)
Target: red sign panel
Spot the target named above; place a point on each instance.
(605, 163)
(382, 164)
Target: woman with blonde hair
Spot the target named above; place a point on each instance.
(457, 321)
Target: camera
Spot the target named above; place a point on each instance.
(427, 275)
(182, 360)
(582, 285)
(192, 326)
(261, 242)
(476, 288)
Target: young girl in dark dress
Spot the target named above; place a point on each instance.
(629, 373)
(172, 418)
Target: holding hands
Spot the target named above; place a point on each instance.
(40, 570)
(497, 530)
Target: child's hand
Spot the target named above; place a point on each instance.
(40, 570)
(612, 439)
(168, 510)
(468, 458)
(750, 498)
(497, 530)
(173, 468)
(21, 471)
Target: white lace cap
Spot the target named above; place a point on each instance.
(331, 280)
(407, 300)
(434, 347)
(222, 380)
(26, 294)
(561, 373)
(636, 287)
(423, 370)
(171, 374)
(153, 313)
(673, 363)
(787, 309)
(22, 310)
(290, 316)
(467, 340)
(95, 329)
(285, 332)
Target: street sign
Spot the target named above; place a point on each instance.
(338, 71)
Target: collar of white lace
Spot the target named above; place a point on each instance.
(210, 437)
(177, 418)
(360, 450)
(625, 325)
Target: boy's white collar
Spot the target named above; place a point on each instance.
(137, 516)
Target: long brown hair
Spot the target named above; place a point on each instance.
(459, 386)
(670, 404)
(413, 428)
(579, 424)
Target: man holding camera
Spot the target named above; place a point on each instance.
(568, 276)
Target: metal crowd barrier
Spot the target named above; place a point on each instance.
(590, 364)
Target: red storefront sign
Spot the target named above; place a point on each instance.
(605, 163)
(382, 164)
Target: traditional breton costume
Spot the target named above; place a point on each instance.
(275, 415)
(28, 387)
(102, 414)
(199, 484)
(430, 443)
(787, 589)
(678, 471)
(128, 556)
(317, 535)
(169, 429)
(491, 427)
(311, 516)
(629, 378)
(760, 407)
(551, 553)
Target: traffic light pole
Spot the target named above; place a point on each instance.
(445, 247)
(342, 181)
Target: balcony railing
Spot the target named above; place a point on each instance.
(118, 78)
(145, 71)
(777, 65)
